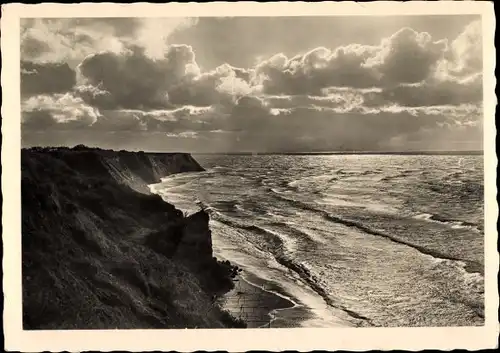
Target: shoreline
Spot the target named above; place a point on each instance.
(253, 304)
(256, 301)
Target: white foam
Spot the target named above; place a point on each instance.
(453, 224)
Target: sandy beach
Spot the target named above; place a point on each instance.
(253, 304)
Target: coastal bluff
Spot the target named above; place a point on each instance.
(100, 251)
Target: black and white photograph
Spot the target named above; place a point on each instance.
(256, 172)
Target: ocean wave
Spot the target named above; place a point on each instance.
(357, 172)
(184, 175)
(278, 192)
(455, 224)
(231, 206)
(471, 279)
(471, 266)
(274, 242)
(306, 202)
(219, 168)
(402, 175)
(281, 248)
(473, 283)
(308, 240)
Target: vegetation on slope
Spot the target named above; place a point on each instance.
(98, 254)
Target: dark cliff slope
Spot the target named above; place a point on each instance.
(100, 251)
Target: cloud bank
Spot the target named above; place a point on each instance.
(111, 82)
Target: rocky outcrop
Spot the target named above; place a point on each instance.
(100, 251)
(197, 238)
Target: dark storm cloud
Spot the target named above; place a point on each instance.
(46, 78)
(39, 120)
(133, 80)
(403, 50)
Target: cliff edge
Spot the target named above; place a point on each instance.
(100, 251)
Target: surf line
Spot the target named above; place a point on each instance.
(299, 270)
(470, 266)
(305, 275)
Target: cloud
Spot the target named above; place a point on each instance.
(96, 96)
(242, 39)
(58, 111)
(249, 113)
(120, 120)
(355, 66)
(129, 80)
(466, 51)
(173, 121)
(134, 80)
(46, 78)
(406, 57)
(406, 64)
(223, 85)
(185, 134)
(429, 93)
(70, 40)
(341, 99)
(234, 86)
(152, 33)
(318, 69)
(354, 96)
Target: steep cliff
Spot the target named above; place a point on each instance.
(100, 251)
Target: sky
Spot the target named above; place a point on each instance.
(253, 84)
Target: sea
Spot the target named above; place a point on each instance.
(351, 240)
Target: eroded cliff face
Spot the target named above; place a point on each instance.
(137, 170)
(134, 169)
(100, 251)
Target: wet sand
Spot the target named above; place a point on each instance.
(254, 304)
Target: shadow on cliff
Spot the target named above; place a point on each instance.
(99, 251)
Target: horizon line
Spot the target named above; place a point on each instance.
(437, 152)
(354, 152)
